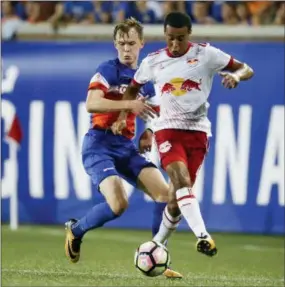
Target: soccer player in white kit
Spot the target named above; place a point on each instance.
(182, 75)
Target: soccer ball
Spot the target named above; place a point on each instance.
(152, 258)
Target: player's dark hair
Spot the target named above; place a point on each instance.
(125, 26)
(178, 20)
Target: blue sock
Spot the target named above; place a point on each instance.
(157, 216)
(96, 217)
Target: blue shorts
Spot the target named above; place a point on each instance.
(105, 154)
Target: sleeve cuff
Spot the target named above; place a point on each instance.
(97, 86)
(135, 83)
(230, 63)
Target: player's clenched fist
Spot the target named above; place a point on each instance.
(118, 126)
(229, 80)
(145, 141)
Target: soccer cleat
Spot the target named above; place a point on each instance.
(72, 244)
(206, 245)
(169, 273)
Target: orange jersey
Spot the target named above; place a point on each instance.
(112, 78)
(105, 120)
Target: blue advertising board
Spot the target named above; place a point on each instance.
(240, 186)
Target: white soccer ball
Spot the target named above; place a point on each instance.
(152, 258)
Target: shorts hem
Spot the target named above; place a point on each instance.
(165, 163)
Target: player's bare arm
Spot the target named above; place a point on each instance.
(236, 73)
(146, 138)
(130, 95)
(145, 141)
(96, 103)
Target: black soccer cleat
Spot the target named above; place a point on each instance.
(206, 245)
(72, 244)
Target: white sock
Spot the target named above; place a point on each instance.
(167, 226)
(189, 207)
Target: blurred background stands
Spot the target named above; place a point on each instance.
(62, 13)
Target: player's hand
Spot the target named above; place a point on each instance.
(230, 80)
(145, 141)
(142, 109)
(118, 126)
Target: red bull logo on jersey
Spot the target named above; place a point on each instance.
(180, 86)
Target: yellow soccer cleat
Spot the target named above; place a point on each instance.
(72, 244)
(206, 245)
(169, 273)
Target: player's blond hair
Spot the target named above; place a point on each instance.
(125, 26)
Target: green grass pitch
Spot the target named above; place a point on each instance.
(34, 256)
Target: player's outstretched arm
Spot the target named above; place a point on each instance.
(242, 70)
(143, 110)
(96, 103)
(130, 94)
(235, 73)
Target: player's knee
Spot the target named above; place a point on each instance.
(179, 176)
(162, 193)
(118, 206)
(160, 197)
(113, 190)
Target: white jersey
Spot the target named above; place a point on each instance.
(182, 85)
